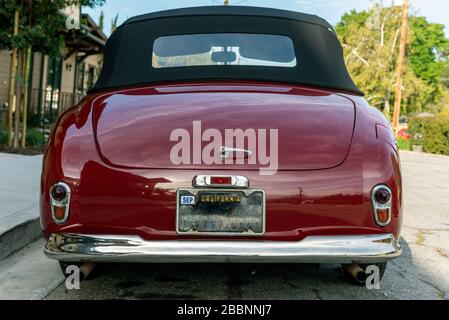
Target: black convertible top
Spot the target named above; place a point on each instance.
(232, 10)
(128, 52)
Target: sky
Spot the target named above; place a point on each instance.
(331, 10)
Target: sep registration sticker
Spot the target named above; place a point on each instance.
(188, 200)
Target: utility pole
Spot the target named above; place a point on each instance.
(400, 67)
(12, 78)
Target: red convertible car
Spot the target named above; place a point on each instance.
(223, 134)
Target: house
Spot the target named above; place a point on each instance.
(56, 83)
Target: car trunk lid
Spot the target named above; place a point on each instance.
(146, 127)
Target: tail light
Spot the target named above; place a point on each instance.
(60, 202)
(381, 201)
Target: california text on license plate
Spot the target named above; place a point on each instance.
(220, 212)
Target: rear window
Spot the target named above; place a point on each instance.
(223, 49)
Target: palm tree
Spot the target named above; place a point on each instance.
(114, 23)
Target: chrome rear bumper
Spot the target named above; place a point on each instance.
(313, 249)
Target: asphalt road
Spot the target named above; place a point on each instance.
(422, 272)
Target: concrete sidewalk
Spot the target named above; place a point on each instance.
(29, 274)
(19, 201)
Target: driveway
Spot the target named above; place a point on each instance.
(422, 272)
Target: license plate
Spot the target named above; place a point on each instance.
(220, 212)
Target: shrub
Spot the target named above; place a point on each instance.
(34, 137)
(404, 144)
(415, 128)
(435, 135)
(3, 137)
(33, 120)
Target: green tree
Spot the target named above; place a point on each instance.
(114, 23)
(41, 23)
(370, 41)
(444, 77)
(101, 21)
(40, 28)
(429, 49)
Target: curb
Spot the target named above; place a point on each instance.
(19, 237)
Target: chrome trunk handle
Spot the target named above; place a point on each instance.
(225, 152)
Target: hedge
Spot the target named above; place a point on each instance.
(34, 137)
(404, 144)
(431, 133)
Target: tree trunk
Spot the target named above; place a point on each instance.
(25, 96)
(12, 78)
(387, 106)
(18, 99)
